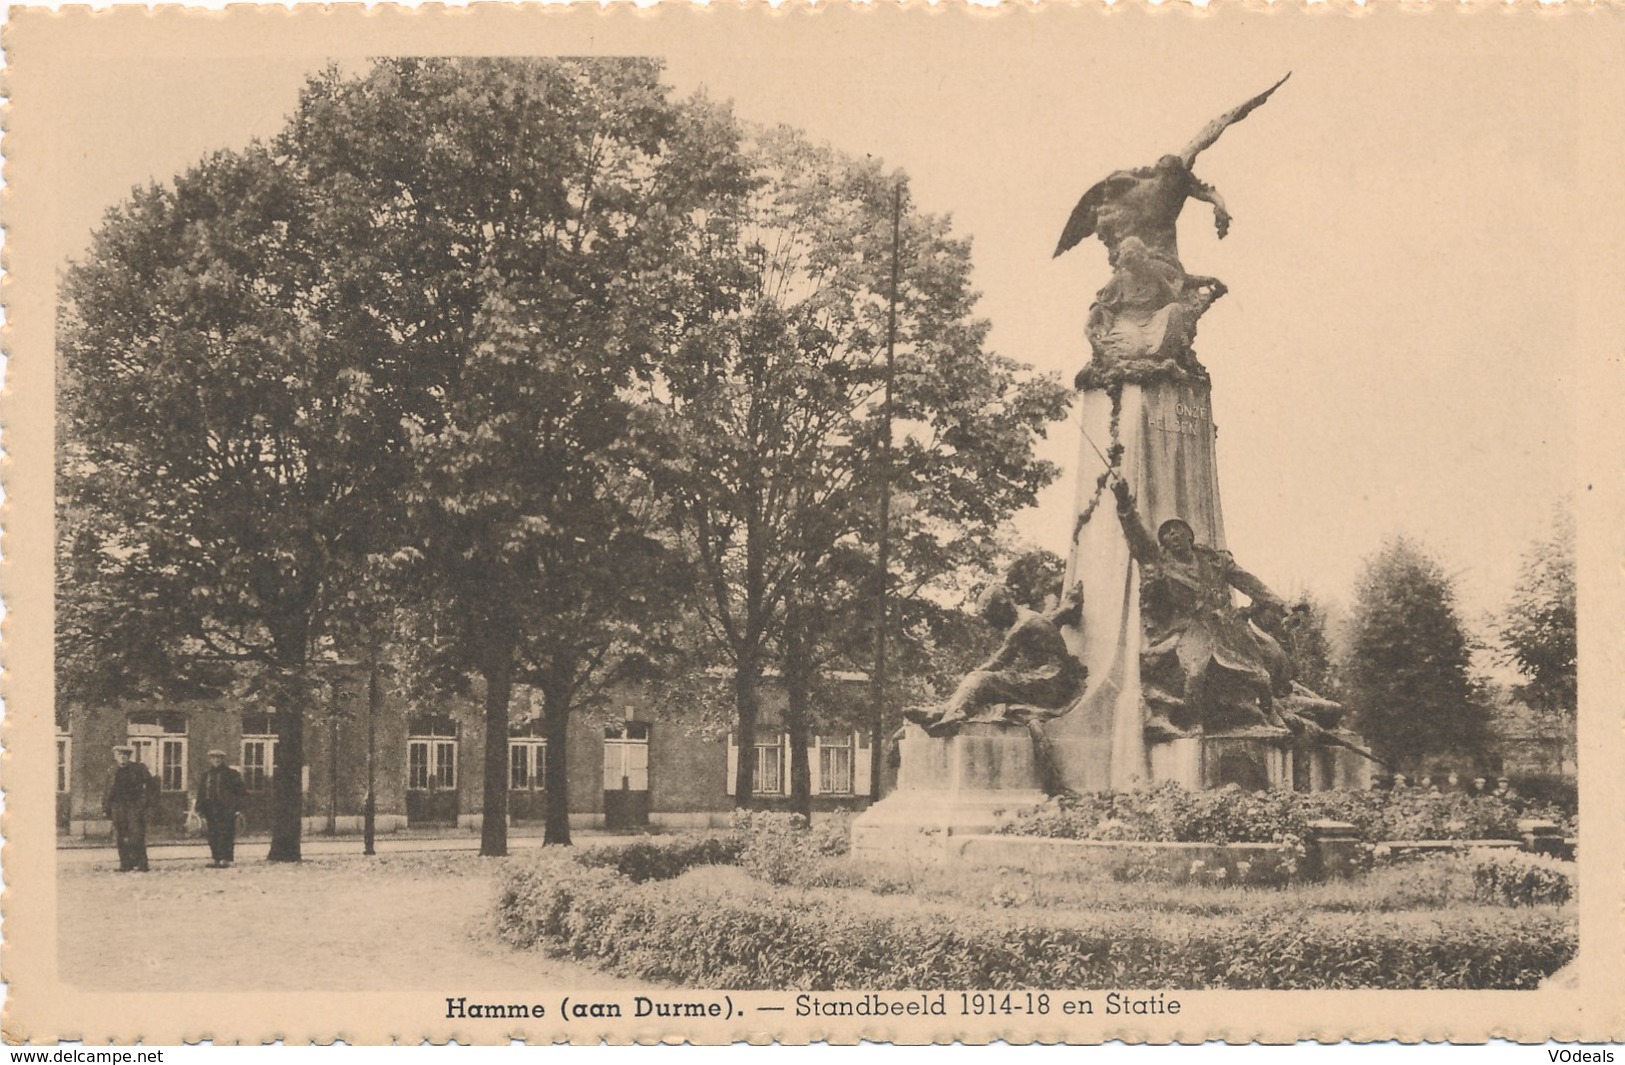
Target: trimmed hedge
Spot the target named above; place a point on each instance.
(1170, 813)
(643, 860)
(696, 933)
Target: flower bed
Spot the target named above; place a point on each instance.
(718, 927)
(1171, 813)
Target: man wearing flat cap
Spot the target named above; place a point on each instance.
(128, 804)
(220, 794)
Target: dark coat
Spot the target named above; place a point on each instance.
(221, 792)
(132, 790)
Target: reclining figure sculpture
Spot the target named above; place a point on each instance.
(1033, 676)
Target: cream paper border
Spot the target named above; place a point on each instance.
(1573, 56)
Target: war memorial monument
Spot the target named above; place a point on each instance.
(1149, 670)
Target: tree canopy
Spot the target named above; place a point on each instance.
(547, 217)
(408, 328)
(1408, 673)
(223, 451)
(1540, 622)
(780, 401)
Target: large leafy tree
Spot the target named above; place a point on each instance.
(224, 453)
(1408, 671)
(1539, 628)
(780, 400)
(413, 328)
(538, 227)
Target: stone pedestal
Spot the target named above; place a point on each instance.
(963, 784)
(1170, 462)
(1254, 759)
(1544, 837)
(1335, 851)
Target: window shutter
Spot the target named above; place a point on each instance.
(733, 763)
(815, 768)
(860, 764)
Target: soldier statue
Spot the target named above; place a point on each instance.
(1203, 662)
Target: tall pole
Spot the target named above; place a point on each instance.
(369, 813)
(333, 771)
(877, 737)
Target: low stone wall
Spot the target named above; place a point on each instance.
(1405, 850)
(1249, 863)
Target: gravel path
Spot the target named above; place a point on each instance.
(394, 922)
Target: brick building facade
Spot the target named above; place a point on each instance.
(627, 767)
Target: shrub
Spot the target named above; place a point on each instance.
(773, 846)
(832, 834)
(781, 848)
(1517, 879)
(644, 860)
(695, 931)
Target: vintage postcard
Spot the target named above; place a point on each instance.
(705, 523)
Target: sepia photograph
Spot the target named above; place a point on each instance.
(701, 524)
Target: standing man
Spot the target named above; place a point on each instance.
(128, 803)
(220, 794)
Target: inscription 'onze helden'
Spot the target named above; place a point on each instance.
(1190, 419)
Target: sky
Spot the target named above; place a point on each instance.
(1397, 354)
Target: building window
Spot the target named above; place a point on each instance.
(431, 754)
(769, 769)
(259, 751)
(417, 765)
(527, 765)
(835, 765)
(626, 756)
(431, 764)
(159, 739)
(259, 761)
(64, 763)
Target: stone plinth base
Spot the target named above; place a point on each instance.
(1254, 759)
(1259, 758)
(958, 785)
(1329, 768)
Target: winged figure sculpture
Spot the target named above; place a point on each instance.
(1145, 202)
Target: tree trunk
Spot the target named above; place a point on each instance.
(287, 784)
(498, 671)
(800, 767)
(748, 707)
(287, 795)
(556, 728)
(798, 712)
